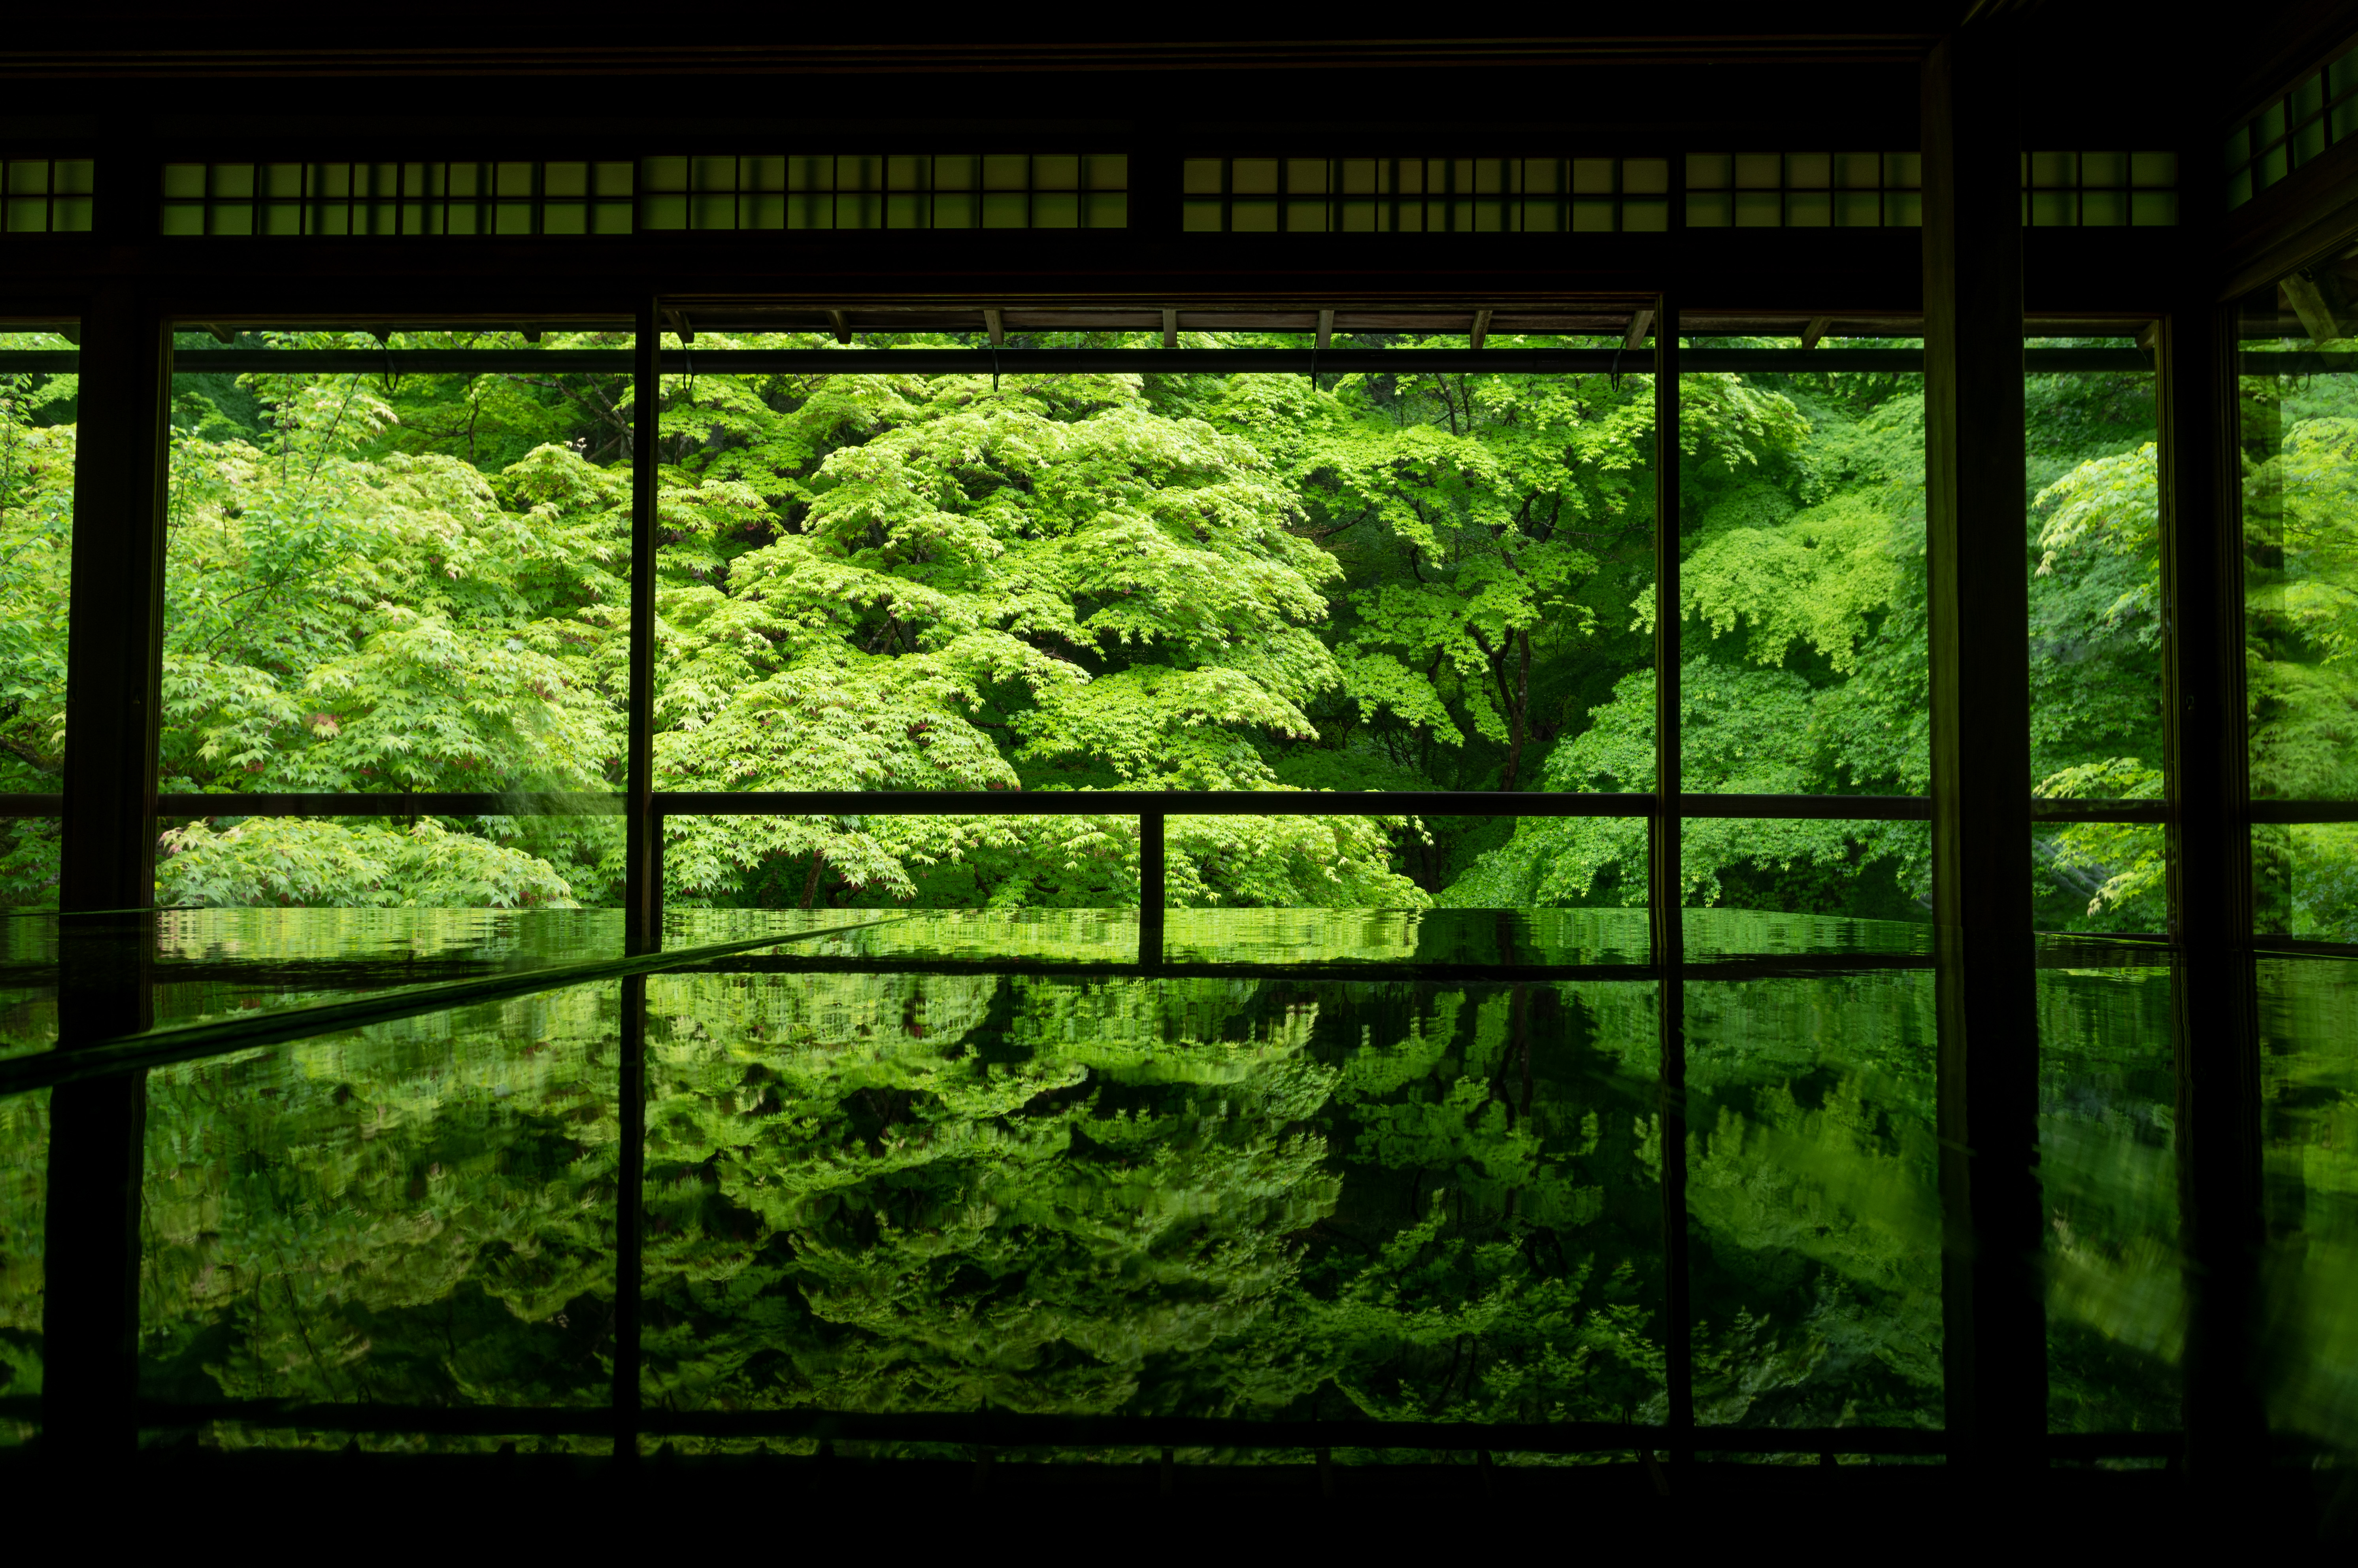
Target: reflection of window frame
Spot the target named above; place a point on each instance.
(1271, 193)
(1851, 189)
(45, 196)
(2318, 109)
(504, 199)
(884, 190)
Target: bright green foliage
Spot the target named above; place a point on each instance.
(908, 582)
(35, 548)
(2300, 487)
(1488, 529)
(910, 1192)
(893, 581)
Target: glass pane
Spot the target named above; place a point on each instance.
(28, 979)
(226, 861)
(38, 409)
(1802, 581)
(1814, 1203)
(24, 1208)
(416, 1213)
(1018, 579)
(2108, 1176)
(387, 583)
(1019, 1167)
(2094, 657)
(31, 847)
(2321, 880)
(2300, 505)
(1805, 886)
(2309, 1083)
(1498, 938)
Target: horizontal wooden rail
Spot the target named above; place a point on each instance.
(1065, 362)
(1170, 802)
(187, 1042)
(1010, 1429)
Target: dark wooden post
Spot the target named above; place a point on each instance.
(2213, 996)
(1993, 1325)
(642, 882)
(115, 635)
(1153, 890)
(90, 1313)
(1665, 895)
(641, 851)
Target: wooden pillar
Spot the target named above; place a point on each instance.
(642, 847)
(2213, 994)
(641, 882)
(1154, 888)
(115, 635)
(1994, 1324)
(1664, 895)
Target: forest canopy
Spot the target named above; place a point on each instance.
(1074, 582)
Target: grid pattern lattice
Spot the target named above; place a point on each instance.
(396, 199)
(914, 190)
(1466, 195)
(2071, 190)
(45, 196)
(2320, 109)
(1804, 191)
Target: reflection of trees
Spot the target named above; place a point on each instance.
(421, 1213)
(905, 1192)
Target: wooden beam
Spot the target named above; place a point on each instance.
(994, 319)
(1642, 323)
(1994, 1333)
(1481, 329)
(677, 322)
(838, 326)
(114, 637)
(2214, 983)
(1816, 331)
(2316, 299)
(1327, 330)
(1170, 328)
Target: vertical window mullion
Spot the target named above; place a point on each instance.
(1667, 927)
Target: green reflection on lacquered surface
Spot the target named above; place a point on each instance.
(1188, 1196)
(883, 1188)
(2309, 1174)
(24, 1203)
(421, 1212)
(1813, 1201)
(2117, 1309)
